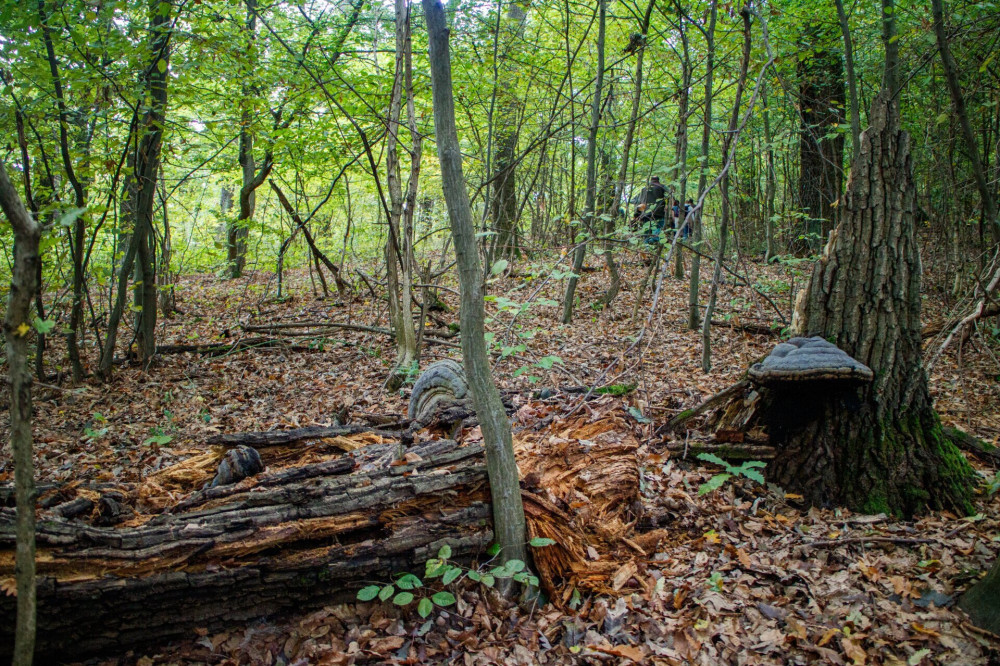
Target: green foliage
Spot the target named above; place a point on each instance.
(448, 572)
(616, 389)
(748, 470)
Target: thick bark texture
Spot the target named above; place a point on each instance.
(821, 155)
(508, 511)
(879, 448)
(982, 601)
(16, 328)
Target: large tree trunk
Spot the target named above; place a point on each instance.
(821, 155)
(879, 448)
(27, 234)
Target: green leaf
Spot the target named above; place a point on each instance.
(712, 458)
(533, 581)
(158, 439)
(403, 598)
(713, 484)
(43, 325)
(386, 592)
(547, 362)
(445, 552)
(755, 463)
(753, 475)
(368, 593)
(475, 576)
(425, 607)
(515, 565)
(541, 542)
(488, 580)
(451, 575)
(443, 598)
(408, 582)
(434, 568)
(70, 215)
(637, 415)
(499, 266)
(493, 550)
(918, 657)
(161, 65)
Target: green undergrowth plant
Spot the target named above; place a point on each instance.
(747, 470)
(408, 588)
(616, 390)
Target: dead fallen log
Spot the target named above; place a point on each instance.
(312, 532)
(281, 437)
(265, 545)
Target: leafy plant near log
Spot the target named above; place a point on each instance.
(747, 470)
(408, 587)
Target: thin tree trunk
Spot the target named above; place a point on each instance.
(76, 235)
(508, 512)
(697, 231)
(24, 285)
(399, 243)
(633, 119)
(951, 76)
(706, 330)
(591, 197)
(852, 79)
(769, 187)
(682, 139)
(147, 164)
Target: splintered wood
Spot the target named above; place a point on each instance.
(583, 481)
(326, 516)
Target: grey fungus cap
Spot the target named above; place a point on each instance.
(809, 360)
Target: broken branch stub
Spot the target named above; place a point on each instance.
(809, 360)
(442, 383)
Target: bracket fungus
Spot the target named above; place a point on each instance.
(442, 383)
(809, 361)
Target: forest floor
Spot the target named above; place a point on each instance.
(740, 575)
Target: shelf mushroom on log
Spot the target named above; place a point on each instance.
(802, 382)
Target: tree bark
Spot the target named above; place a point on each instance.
(508, 512)
(879, 448)
(17, 326)
(982, 601)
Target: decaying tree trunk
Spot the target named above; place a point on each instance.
(296, 536)
(882, 450)
(333, 510)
